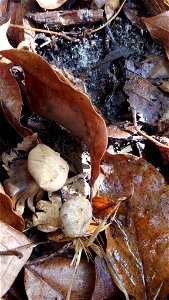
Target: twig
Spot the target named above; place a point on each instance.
(150, 138)
(11, 252)
(110, 20)
(41, 30)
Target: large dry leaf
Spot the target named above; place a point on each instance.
(11, 100)
(138, 243)
(51, 4)
(158, 27)
(146, 99)
(54, 98)
(51, 279)
(7, 214)
(11, 265)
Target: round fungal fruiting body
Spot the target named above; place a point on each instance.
(75, 215)
(49, 170)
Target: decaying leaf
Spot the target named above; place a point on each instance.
(47, 219)
(51, 4)
(11, 100)
(11, 265)
(146, 99)
(51, 278)
(138, 242)
(75, 216)
(20, 187)
(7, 213)
(47, 167)
(60, 102)
(158, 27)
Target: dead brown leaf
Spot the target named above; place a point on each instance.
(11, 100)
(51, 278)
(7, 214)
(138, 242)
(158, 27)
(11, 265)
(146, 99)
(60, 102)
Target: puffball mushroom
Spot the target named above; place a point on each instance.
(75, 216)
(49, 170)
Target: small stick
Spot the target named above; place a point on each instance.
(41, 30)
(11, 252)
(110, 20)
(162, 146)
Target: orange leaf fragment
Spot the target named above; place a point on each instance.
(54, 98)
(102, 206)
(7, 214)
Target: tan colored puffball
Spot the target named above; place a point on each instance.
(75, 215)
(49, 170)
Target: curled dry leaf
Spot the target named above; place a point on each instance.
(51, 4)
(60, 102)
(158, 27)
(11, 100)
(7, 214)
(47, 220)
(51, 279)
(75, 216)
(11, 265)
(49, 170)
(137, 244)
(20, 187)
